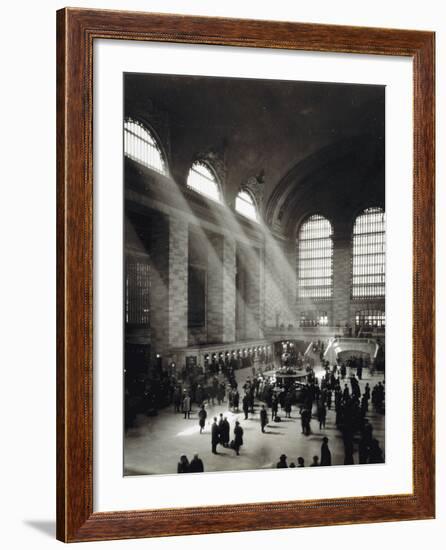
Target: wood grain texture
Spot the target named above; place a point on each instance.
(76, 31)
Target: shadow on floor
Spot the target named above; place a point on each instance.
(45, 526)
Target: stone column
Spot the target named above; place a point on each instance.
(159, 284)
(342, 266)
(221, 290)
(178, 272)
(228, 321)
(252, 293)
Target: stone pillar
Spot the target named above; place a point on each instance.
(252, 293)
(228, 320)
(240, 297)
(178, 272)
(342, 267)
(221, 290)
(159, 284)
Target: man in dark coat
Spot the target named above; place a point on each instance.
(288, 406)
(322, 415)
(305, 419)
(245, 404)
(214, 436)
(196, 465)
(225, 430)
(177, 399)
(238, 437)
(325, 453)
(263, 418)
(202, 415)
(236, 399)
(274, 407)
(199, 395)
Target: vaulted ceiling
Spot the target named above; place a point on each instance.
(313, 141)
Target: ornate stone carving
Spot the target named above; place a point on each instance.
(255, 185)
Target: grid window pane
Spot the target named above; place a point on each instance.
(369, 254)
(244, 204)
(315, 258)
(369, 318)
(137, 303)
(202, 180)
(313, 319)
(141, 146)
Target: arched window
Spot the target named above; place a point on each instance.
(369, 254)
(203, 180)
(315, 258)
(141, 146)
(245, 205)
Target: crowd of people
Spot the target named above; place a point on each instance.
(262, 398)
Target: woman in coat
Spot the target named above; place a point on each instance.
(238, 437)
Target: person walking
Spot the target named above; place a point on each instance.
(214, 436)
(202, 415)
(238, 437)
(263, 418)
(325, 453)
(245, 405)
(187, 406)
(274, 407)
(177, 399)
(236, 400)
(305, 421)
(288, 406)
(225, 430)
(322, 415)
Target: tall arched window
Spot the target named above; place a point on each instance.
(369, 254)
(141, 146)
(245, 205)
(315, 258)
(202, 179)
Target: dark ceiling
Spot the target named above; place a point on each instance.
(260, 125)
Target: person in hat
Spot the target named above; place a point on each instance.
(282, 462)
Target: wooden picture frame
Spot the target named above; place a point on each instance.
(76, 31)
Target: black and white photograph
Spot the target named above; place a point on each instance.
(254, 274)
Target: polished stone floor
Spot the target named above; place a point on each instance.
(154, 444)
